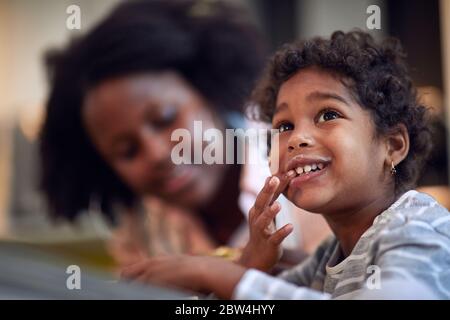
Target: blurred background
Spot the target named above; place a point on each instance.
(29, 27)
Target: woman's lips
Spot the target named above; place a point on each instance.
(303, 178)
(181, 177)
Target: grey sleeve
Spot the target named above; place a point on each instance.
(303, 274)
(415, 253)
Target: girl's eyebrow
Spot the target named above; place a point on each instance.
(315, 95)
(322, 95)
(280, 108)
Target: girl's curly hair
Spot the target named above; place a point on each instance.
(377, 76)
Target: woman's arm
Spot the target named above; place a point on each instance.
(195, 273)
(227, 280)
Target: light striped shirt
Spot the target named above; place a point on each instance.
(404, 254)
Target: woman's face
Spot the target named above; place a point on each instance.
(322, 125)
(130, 121)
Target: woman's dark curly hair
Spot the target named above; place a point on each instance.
(211, 44)
(375, 74)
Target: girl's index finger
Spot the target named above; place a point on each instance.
(284, 182)
(266, 194)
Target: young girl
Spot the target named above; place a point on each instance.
(352, 138)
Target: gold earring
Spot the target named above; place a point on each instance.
(393, 170)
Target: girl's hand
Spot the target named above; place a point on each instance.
(194, 273)
(263, 249)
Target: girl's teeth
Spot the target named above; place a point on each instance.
(309, 168)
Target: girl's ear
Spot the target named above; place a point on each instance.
(397, 143)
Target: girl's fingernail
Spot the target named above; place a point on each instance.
(290, 173)
(273, 181)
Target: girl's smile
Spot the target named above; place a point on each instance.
(307, 169)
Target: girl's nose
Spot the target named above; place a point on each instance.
(299, 140)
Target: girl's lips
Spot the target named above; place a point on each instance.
(299, 180)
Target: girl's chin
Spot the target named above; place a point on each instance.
(309, 202)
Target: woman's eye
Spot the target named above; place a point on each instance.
(285, 126)
(328, 115)
(166, 116)
(128, 153)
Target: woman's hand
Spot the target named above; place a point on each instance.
(263, 249)
(194, 273)
(169, 270)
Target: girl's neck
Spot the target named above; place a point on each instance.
(350, 225)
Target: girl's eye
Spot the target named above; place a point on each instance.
(285, 126)
(328, 115)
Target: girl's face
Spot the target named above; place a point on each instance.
(325, 132)
(130, 121)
